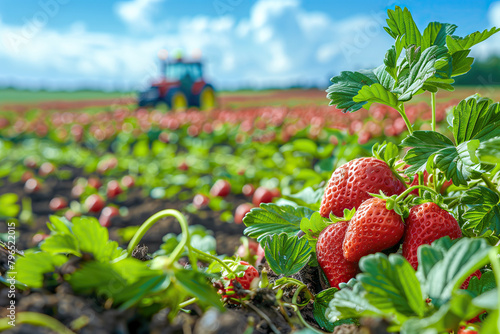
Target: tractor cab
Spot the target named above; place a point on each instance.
(180, 86)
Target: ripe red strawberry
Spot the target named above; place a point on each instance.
(372, 229)
(426, 223)
(331, 257)
(246, 281)
(465, 330)
(351, 184)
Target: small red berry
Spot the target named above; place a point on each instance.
(262, 195)
(57, 203)
(241, 211)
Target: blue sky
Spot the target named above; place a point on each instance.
(113, 44)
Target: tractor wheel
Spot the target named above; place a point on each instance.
(207, 98)
(179, 101)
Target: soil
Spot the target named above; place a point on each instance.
(85, 314)
(140, 208)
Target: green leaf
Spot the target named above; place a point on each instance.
(308, 195)
(134, 293)
(472, 115)
(94, 238)
(458, 163)
(447, 318)
(61, 244)
(197, 285)
(286, 255)
(461, 63)
(435, 34)
(458, 263)
(376, 93)
(400, 24)
(433, 84)
(8, 205)
(271, 218)
(312, 228)
(346, 86)
(31, 267)
(484, 210)
(59, 224)
(490, 325)
(478, 286)
(488, 300)
(386, 151)
(455, 43)
(98, 277)
(349, 302)
(321, 302)
(421, 68)
(391, 285)
(489, 151)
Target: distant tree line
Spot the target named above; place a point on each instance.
(484, 72)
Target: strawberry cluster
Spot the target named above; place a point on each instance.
(375, 225)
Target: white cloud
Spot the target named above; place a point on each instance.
(137, 13)
(278, 43)
(492, 45)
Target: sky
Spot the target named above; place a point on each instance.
(113, 45)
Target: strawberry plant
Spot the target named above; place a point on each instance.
(423, 229)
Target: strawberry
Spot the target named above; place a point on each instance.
(372, 229)
(466, 330)
(221, 188)
(253, 251)
(426, 223)
(262, 195)
(330, 256)
(352, 182)
(250, 274)
(241, 211)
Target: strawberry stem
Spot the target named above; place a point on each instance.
(212, 258)
(420, 181)
(36, 319)
(299, 315)
(490, 184)
(433, 104)
(188, 302)
(401, 110)
(185, 241)
(409, 190)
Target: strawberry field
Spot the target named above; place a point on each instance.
(378, 213)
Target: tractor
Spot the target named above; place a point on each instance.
(180, 86)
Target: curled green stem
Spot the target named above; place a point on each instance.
(402, 112)
(35, 319)
(185, 241)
